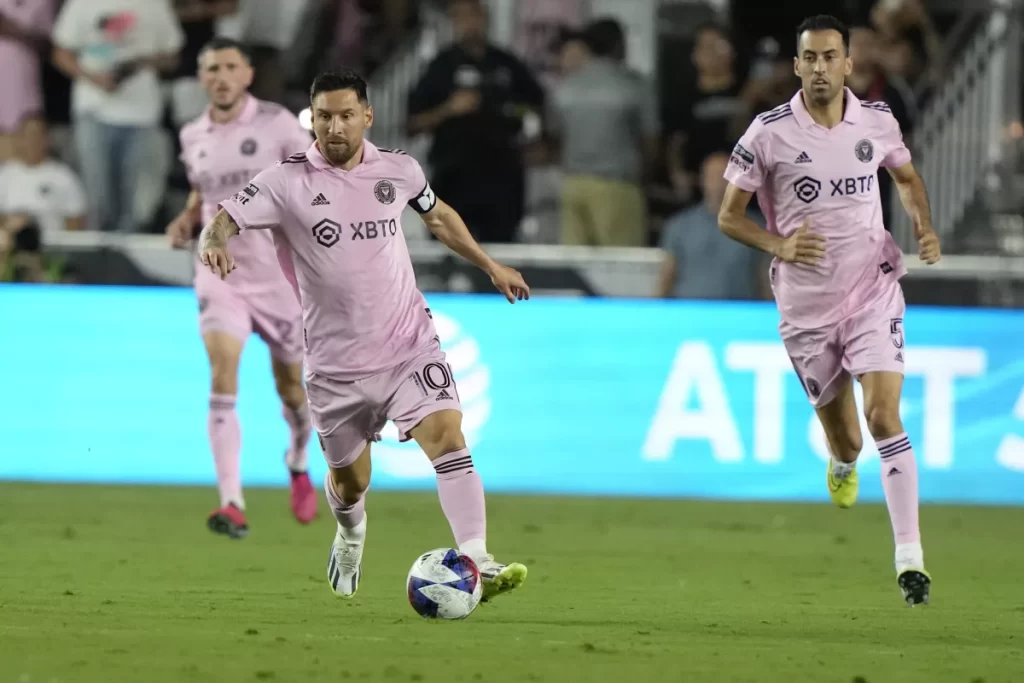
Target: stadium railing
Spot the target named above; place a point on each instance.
(961, 140)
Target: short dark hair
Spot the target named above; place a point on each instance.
(222, 43)
(605, 37)
(712, 26)
(345, 79)
(823, 22)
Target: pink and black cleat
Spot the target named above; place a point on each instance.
(228, 520)
(303, 499)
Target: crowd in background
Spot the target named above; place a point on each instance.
(96, 90)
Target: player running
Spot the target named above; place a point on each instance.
(223, 149)
(813, 163)
(372, 352)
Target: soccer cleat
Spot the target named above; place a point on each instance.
(345, 565)
(843, 490)
(499, 579)
(915, 584)
(303, 498)
(228, 520)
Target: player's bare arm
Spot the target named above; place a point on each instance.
(213, 244)
(803, 246)
(179, 231)
(451, 230)
(914, 197)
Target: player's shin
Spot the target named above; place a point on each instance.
(899, 481)
(462, 499)
(348, 507)
(225, 441)
(299, 430)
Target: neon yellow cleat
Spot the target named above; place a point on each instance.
(499, 579)
(843, 491)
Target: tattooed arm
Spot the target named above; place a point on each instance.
(213, 244)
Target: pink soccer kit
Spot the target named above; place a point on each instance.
(221, 159)
(371, 350)
(845, 315)
(21, 78)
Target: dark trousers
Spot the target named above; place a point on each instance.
(491, 204)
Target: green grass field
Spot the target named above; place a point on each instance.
(102, 584)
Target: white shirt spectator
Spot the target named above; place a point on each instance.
(106, 34)
(49, 193)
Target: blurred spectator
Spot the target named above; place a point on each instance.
(22, 258)
(771, 82)
(35, 188)
(267, 28)
(540, 29)
(700, 262)
(870, 82)
(604, 119)
(24, 36)
(912, 47)
(572, 52)
(473, 98)
(198, 22)
(706, 122)
(113, 50)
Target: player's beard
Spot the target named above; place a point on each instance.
(339, 155)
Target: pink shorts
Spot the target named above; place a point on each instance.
(275, 315)
(349, 415)
(870, 340)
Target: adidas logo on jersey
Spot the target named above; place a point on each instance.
(899, 356)
(320, 200)
(803, 158)
(444, 396)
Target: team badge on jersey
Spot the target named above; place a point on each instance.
(385, 192)
(248, 147)
(327, 232)
(864, 150)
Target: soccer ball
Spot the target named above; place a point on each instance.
(444, 584)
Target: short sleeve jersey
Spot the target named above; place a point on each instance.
(221, 159)
(340, 243)
(804, 172)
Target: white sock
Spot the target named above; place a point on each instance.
(476, 549)
(356, 533)
(841, 470)
(909, 556)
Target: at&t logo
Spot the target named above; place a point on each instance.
(472, 379)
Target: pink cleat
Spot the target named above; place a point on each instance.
(303, 498)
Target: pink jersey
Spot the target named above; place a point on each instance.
(221, 159)
(340, 241)
(802, 171)
(21, 79)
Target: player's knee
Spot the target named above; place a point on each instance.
(350, 484)
(440, 433)
(224, 377)
(289, 387)
(883, 419)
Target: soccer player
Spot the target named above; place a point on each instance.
(813, 163)
(232, 141)
(372, 352)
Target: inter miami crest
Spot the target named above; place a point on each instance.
(385, 192)
(248, 147)
(864, 150)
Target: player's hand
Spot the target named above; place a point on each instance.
(803, 246)
(179, 232)
(510, 282)
(463, 102)
(928, 247)
(102, 80)
(218, 260)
